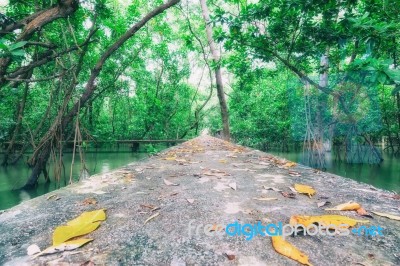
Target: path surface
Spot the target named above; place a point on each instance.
(129, 193)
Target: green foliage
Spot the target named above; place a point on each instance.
(14, 50)
(146, 89)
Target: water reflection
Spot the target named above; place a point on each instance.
(105, 168)
(14, 177)
(385, 175)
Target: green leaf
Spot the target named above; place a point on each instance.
(393, 74)
(18, 53)
(369, 68)
(395, 90)
(17, 45)
(381, 78)
(3, 46)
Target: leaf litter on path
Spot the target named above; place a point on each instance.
(169, 183)
(151, 217)
(84, 224)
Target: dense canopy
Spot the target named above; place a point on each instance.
(262, 73)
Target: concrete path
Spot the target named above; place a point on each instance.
(198, 186)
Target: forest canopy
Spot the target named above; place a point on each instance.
(263, 73)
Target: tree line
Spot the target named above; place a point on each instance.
(265, 72)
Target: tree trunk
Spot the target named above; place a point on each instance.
(218, 76)
(397, 96)
(398, 120)
(323, 82)
(35, 22)
(45, 149)
(18, 124)
(37, 129)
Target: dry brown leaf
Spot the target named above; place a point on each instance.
(387, 215)
(395, 196)
(151, 217)
(323, 203)
(150, 206)
(215, 172)
(139, 170)
(362, 212)
(54, 196)
(265, 199)
(128, 177)
(272, 188)
(232, 185)
(230, 255)
(169, 183)
(293, 173)
(65, 246)
(288, 194)
(190, 200)
(89, 201)
(88, 263)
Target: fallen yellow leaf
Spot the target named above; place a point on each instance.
(286, 249)
(82, 225)
(325, 220)
(304, 189)
(64, 233)
(89, 217)
(170, 158)
(215, 172)
(348, 206)
(290, 164)
(387, 215)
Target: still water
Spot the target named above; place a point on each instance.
(14, 177)
(385, 175)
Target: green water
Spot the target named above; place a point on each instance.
(14, 177)
(385, 175)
